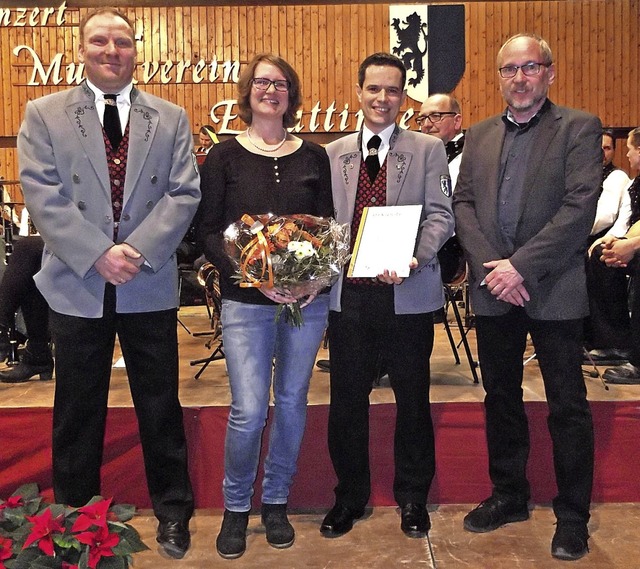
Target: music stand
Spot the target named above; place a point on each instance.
(209, 278)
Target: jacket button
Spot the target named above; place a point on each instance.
(154, 179)
(76, 179)
(82, 205)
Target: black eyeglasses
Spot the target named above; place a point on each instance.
(433, 117)
(528, 69)
(263, 84)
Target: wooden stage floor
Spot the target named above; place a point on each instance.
(375, 542)
(449, 382)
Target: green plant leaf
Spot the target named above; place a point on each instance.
(124, 512)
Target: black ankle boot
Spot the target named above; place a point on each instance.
(32, 363)
(280, 533)
(231, 542)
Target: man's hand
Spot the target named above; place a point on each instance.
(392, 277)
(119, 264)
(506, 283)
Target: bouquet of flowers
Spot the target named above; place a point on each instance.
(35, 534)
(296, 254)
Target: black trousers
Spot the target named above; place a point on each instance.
(611, 297)
(608, 324)
(558, 345)
(367, 326)
(84, 352)
(18, 290)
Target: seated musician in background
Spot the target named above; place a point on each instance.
(440, 116)
(602, 338)
(614, 182)
(9, 214)
(612, 258)
(207, 138)
(18, 291)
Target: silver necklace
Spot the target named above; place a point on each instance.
(276, 147)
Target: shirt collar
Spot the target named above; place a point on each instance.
(124, 95)
(385, 136)
(507, 117)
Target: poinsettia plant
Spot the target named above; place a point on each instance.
(35, 534)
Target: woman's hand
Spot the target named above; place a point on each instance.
(277, 296)
(307, 300)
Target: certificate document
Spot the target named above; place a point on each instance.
(386, 240)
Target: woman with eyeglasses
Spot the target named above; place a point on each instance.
(265, 169)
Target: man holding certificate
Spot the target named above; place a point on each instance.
(390, 311)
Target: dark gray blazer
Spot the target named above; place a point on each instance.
(416, 165)
(65, 179)
(557, 211)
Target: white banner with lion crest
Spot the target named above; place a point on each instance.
(408, 31)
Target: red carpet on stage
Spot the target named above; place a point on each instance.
(25, 455)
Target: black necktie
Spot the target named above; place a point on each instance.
(372, 162)
(112, 121)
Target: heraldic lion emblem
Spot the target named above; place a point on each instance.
(408, 48)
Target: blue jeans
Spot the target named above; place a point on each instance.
(256, 348)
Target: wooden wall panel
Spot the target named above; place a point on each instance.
(595, 43)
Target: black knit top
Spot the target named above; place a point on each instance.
(236, 181)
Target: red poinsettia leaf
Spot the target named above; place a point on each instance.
(12, 502)
(44, 525)
(101, 544)
(5, 548)
(93, 514)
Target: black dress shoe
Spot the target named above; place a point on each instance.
(339, 520)
(606, 357)
(174, 538)
(625, 374)
(24, 372)
(415, 520)
(324, 365)
(495, 512)
(570, 541)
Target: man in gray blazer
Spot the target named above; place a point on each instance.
(112, 211)
(388, 314)
(524, 204)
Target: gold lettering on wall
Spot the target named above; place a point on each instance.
(22, 17)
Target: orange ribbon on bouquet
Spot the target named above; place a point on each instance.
(257, 248)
